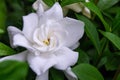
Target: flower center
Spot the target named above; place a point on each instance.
(47, 42)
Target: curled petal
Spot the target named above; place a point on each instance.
(65, 58)
(36, 5)
(40, 10)
(75, 7)
(74, 28)
(30, 24)
(20, 40)
(43, 76)
(69, 74)
(41, 63)
(86, 12)
(20, 57)
(53, 14)
(12, 31)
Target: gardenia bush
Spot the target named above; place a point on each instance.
(59, 40)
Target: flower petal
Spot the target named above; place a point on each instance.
(75, 46)
(69, 74)
(36, 5)
(43, 76)
(41, 63)
(20, 57)
(75, 30)
(12, 31)
(65, 58)
(20, 40)
(54, 13)
(30, 24)
(77, 7)
(40, 10)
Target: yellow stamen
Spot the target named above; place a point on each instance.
(47, 42)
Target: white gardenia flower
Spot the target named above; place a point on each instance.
(48, 37)
(76, 7)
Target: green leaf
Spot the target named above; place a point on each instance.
(5, 50)
(118, 77)
(112, 62)
(91, 31)
(116, 22)
(49, 2)
(102, 62)
(56, 74)
(2, 14)
(83, 57)
(112, 37)
(67, 2)
(1, 31)
(103, 43)
(96, 10)
(87, 72)
(113, 10)
(13, 70)
(105, 4)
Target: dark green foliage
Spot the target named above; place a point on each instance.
(13, 70)
(99, 52)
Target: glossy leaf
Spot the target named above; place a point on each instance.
(103, 43)
(49, 2)
(102, 62)
(112, 37)
(91, 31)
(112, 62)
(105, 4)
(87, 71)
(5, 50)
(13, 70)
(56, 74)
(96, 10)
(83, 57)
(2, 15)
(116, 22)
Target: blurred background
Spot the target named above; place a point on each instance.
(11, 12)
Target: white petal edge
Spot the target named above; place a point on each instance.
(70, 75)
(55, 12)
(43, 76)
(41, 63)
(11, 32)
(75, 46)
(65, 58)
(30, 24)
(75, 29)
(20, 40)
(40, 10)
(36, 5)
(19, 57)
